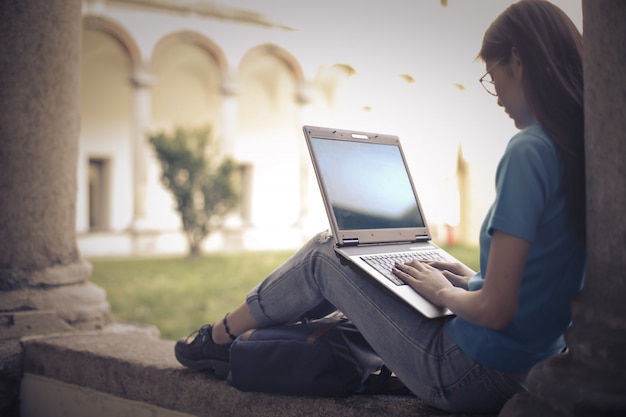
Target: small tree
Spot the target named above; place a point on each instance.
(199, 182)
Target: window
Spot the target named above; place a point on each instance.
(243, 186)
(99, 193)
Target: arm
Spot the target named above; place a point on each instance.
(494, 305)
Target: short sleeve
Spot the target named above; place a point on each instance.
(526, 177)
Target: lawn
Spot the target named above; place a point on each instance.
(179, 296)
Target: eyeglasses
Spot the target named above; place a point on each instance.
(488, 84)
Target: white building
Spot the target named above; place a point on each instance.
(256, 77)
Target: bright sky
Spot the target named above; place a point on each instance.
(401, 34)
(434, 45)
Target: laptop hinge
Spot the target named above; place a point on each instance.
(352, 241)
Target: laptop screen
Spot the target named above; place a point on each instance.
(367, 184)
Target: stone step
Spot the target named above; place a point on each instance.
(135, 369)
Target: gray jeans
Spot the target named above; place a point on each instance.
(314, 281)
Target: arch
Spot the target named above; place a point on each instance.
(117, 32)
(190, 70)
(269, 119)
(196, 39)
(271, 81)
(109, 57)
(276, 51)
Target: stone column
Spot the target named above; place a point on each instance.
(142, 81)
(44, 284)
(591, 379)
(234, 224)
(229, 113)
(305, 101)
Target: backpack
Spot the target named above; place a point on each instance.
(323, 357)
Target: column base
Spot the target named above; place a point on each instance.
(57, 297)
(563, 387)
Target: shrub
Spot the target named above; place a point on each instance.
(199, 179)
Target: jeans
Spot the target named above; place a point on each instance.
(418, 350)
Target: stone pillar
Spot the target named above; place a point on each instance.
(229, 113)
(142, 81)
(305, 101)
(591, 379)
(44, 284)
(235, 223)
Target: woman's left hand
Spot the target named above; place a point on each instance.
(423, 278)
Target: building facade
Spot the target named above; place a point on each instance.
(149, 66)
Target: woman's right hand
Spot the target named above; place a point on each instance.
(457, 273)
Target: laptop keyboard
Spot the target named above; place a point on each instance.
(383, 263)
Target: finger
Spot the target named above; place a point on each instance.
(424, 266)
(448, 274)
(441, 265)
(454, 279)
(451, 276)
(407, 267)
(417, 264)
(445, 266)
(402, 275)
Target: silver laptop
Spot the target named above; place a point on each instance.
(373, 209)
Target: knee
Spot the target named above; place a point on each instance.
(323, 244)
(322, 248)
(324, 237)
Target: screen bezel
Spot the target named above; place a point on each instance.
(364, 236)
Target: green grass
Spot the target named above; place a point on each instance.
(179, 296)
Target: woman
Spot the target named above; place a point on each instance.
(513, 313)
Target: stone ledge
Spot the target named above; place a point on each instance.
(135, 365)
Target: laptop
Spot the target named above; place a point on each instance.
(373, 209)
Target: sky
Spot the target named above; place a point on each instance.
(399, 33)
(433, 45)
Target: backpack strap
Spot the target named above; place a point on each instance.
(337, 317)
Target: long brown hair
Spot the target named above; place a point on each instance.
(550, 48)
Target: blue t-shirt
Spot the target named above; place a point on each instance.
(530, 204)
